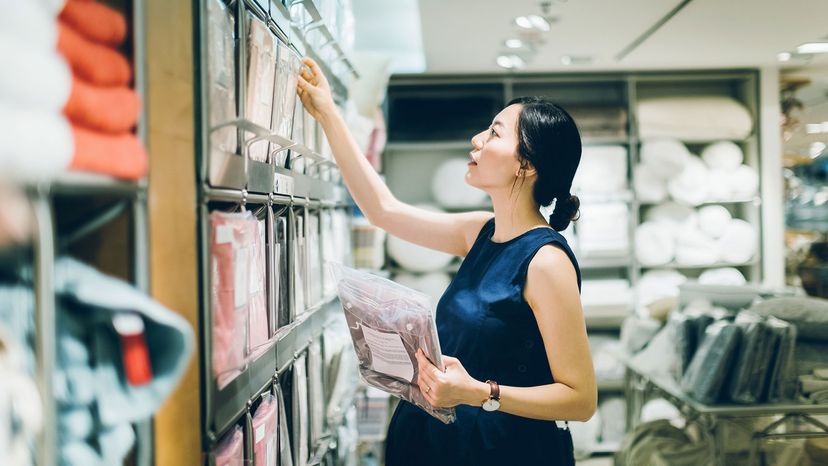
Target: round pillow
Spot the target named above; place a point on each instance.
(449, 186)
(654, 244)
(665, 157)
(724, 155)
(713, 220)
(739, 242)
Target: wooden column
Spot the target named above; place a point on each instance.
(172, 209)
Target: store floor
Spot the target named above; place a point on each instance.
(596, 461)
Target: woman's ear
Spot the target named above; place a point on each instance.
(526, 170)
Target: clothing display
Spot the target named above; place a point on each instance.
(481, 328)
(261, 69)
(266, 432)
(603, 169)
(230, 449)
(297, 164)
(230, 245)
(707, 118)
(449, 188)
(388, 324)
(808, 315)
(706, 375)
(221, 73)
(748, 380)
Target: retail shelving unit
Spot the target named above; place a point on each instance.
(280, 194)
(443, 112)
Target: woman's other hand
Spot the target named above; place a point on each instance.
(314, 91)
(450, 388)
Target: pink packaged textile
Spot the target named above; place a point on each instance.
(265, 433)
(259, 326)
(230, 449)
(230, 252)
(388, 324)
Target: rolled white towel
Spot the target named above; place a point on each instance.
(690, 186)
(660, 408)
(722, 276)
(657, 284)
(31, 22)
(38, 79)
(695, 248)
(665, 157)
(654, 244)
(603, 169)
(649, 187)
(433, 284)
(707, 118)
(718, 185)
(723, 155)
(739, 242)
(417, 258)
(744, 182)
(34, 146)
(677, 216)
(449, 186)
(713, 219)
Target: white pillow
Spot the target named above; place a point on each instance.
(739, 242)
(648, 186)
(722, 276)
(690, 186)
(713, 220)
(665, 157)
(654, 244)
(449, 186)
(707, 118)
(724, 155)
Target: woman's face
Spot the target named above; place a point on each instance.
(494, 160)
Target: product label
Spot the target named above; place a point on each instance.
(388, 354)
(260, 433)
(241, 269)
(224, 234)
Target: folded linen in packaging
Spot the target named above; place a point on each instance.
(261, 69)
(95, 21)
(120, 155)
(708, 370)
(230, 449)
(707, 118)
(603, 169)
(95, 63)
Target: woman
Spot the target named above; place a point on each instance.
(511, 317)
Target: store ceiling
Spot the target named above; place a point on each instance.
(465, 36)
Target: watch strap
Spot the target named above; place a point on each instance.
(494, 393)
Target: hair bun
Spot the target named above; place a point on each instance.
(566, 210)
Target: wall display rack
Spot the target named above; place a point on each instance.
(291, 190)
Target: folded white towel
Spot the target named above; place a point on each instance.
(655, 244)
(656, 285)
(649, 187)
(690, 186)
(744, 182)
(739, 242)
(602, 229)
(34, 146)
(606, 296)
(713, 219)
(31, 22)
(603, 169)
(718, 185)
(708, 118)
(722, 276)
(35, 79)
(695, 248)
(450, 188)
(677, 216)
(724, 155)
(666, 158)
(433, 284)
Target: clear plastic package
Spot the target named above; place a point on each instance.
(282, 280)
(316, 392)
(284, 95)
(299, 266)
(221, 74)
(230, 253)
(708, 371)
(301, 432)
(261, 68)
(230, 449)
(298, 164)
(259, 334)
(266, 432)
(782, 377)
(285, 451)
(748, 380)
(388, 324)
(314, 256)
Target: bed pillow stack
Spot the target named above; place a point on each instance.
(102, 108)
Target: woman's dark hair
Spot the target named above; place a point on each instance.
(549, 139)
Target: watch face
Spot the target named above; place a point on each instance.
(491, 405)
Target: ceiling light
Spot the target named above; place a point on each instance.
(784, 56)
(514, 43)
(816, 149)
(816, 128)
(566, 60)
(813, 47)
(540, 23)
(517, 61)
(524, 22)
(505, 62)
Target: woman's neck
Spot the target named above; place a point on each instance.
(515, 214)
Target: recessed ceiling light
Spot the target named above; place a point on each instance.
(505, 62)
(524, 22)
(566, 60)
(816, 149)
(514, 43)
(813, 47)
(517, 61)
(540, 23)
(784, 56)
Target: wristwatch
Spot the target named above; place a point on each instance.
(493, 403)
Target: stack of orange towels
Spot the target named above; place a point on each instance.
(102, 108)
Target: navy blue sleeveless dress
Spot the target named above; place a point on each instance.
(484, 321)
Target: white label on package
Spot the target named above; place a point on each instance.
(260, 433)
(241, 269)
(388, 354)
(224, 234)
